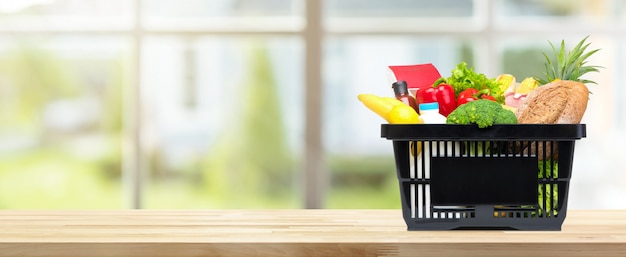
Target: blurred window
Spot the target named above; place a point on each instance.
(61, 121)
(363, 38)
(218, 103)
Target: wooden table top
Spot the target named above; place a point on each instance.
(290, 233)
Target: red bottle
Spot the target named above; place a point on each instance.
(400, 88)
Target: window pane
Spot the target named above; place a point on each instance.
(65, 14)
(522, 57)
(224, 14)
(223, 121)
(401, 16)
(221, 8)
(60, 121)
(620, 7)
(399, 8)
(537, 12)
(360, 161)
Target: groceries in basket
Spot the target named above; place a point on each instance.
(498, 155)
(559, 96)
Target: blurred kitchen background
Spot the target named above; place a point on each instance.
(114, 104)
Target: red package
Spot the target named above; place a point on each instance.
(416, 76)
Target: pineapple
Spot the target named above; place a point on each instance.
(562, 97)
(570, 66)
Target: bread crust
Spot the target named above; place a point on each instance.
(558, 102)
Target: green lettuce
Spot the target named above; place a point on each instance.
(549, 192)
(464, 77)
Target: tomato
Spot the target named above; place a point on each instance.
(466, 96)
(472, 94)
(488, 97)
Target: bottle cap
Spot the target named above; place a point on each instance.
(400, 87)
(429, 106)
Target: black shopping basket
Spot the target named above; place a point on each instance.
(500, 177)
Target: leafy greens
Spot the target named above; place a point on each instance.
(464, 77)
(548, 193)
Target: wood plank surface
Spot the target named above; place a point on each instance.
(290, 233)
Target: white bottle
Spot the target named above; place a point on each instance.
(429, 113)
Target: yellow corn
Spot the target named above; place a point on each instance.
(506, 82)
(528, 85)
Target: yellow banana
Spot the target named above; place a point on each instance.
(393, 101)
(393, 111)
(412, 147)
(377, 104)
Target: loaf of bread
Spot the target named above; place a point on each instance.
(558, 102)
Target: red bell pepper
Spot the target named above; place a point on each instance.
(472, 94)
(442, 94)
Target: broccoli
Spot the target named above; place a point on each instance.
(483, 113)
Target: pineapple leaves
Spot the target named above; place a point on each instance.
(568, 65)
(550, 69)
(561, 57)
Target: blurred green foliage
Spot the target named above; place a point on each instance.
(250, 166)
(50, 167)
(51, 178)
(251, 160)
(32, 77)
(523, 62)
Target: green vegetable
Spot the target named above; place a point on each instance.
(476, 148)
(463, 78)
(549, 192)
(482, 112)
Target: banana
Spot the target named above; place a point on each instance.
(383, 106)
(412, 147)
(377, 104)
(392, 100)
